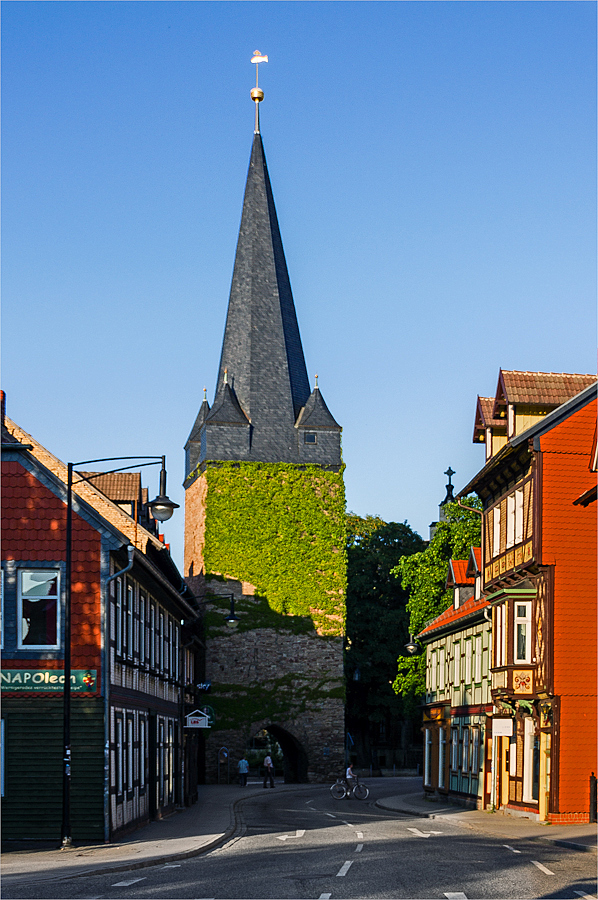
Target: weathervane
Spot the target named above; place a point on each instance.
(257, 93)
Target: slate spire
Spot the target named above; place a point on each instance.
(262, 392)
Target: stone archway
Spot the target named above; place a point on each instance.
(295, 759)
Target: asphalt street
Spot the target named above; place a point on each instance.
(304, 844)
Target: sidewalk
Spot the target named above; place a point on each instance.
(579, 837)
(188, 832)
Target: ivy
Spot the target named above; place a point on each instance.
(280, 527)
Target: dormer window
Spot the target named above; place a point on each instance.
(310, 437)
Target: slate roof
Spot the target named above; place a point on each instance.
(538, 388)
(194, 436)
(315, 414)
(226, 409)
(262, 346)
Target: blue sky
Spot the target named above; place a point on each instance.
(433, 165)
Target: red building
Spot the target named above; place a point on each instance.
(130, 669)
(538, 488)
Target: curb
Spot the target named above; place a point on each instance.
(403, 811)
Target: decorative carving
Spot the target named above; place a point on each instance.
(522, 682)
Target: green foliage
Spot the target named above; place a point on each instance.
(281, 527)
(424, 574)
(376, 614)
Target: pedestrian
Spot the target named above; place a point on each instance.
(243, 767)
(269, 771)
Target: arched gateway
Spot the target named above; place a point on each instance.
(265, 518)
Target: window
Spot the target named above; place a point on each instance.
(441, 669)
(500, 622)
(496, 531)
(433, 671)
(441, 756)
(518, 516)
(119, 616)
(428, 757)
(457, 664)
(176, 653)
(522, 634)
(531, 763)
(478, 659)
(129, 754)
(130, 601)
(142, 752)
(475, 750)
(510, 520)
(38, 601)
(454, 749)
(309, 437)
(468, 658)
(141, 628)
(152, 636)
(119, 755)
(465, 751)
(162, 640)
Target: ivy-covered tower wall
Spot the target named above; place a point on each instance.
(265, 519)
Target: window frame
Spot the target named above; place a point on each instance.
(475, 750)
(58, 597)
(428, 757)
(517, 622)
(465, 750)
(454, 748)
(441, 756)
(468, 661)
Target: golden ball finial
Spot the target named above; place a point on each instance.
(257, 94)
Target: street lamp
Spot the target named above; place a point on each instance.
(412, 647)
(232, 620)
(162, 509)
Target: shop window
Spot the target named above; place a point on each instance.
(465, 751)
(441, 755)
(522, 632)
(38, 608)
(428, 757)
(475, 750)
(531, 763)
(454, 749)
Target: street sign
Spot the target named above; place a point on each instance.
(197, 719)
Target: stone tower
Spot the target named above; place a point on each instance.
(264, 518)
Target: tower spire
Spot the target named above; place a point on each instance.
(257, 94)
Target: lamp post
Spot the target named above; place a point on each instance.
(162, 509)
(232, 620)
(412, 647)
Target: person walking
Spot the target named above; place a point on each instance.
(243, 767)
(269, 771)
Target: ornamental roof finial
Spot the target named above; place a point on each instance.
(257, 93)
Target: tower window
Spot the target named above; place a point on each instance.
(310, 438)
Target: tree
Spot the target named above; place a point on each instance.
(423, 575)
(377, 621)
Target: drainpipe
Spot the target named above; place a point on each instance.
(128, 567)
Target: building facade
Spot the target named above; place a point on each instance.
(264, 518)
(132, 674)
(539, 575)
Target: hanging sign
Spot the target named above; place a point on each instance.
(197, 719)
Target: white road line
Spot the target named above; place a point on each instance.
(300, 832)
(455, 895)
(331, 816)
(508, 846)
(172, 866)
(344, 821)
(359, 848)
(359, 835)
(127, 883)
(324, 896)
(585, 896)
(541, 867)
(287, 837)
(344, 868)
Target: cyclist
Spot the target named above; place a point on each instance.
(350, 777)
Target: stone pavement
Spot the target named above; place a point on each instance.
(496, 824)
(188, 832)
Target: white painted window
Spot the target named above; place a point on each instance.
(454, 749)
(518, 516)
(513, 756)
(428, 756)
(510, 520)
(465, 751)
(475, 750)
(38, 603)
(441, 669)
(456, 664)
(478, 659)
(468, 658)
(522, 631)
(500, 613)
(496, 531)
(478, 587)
(433, 671)
(441, 755)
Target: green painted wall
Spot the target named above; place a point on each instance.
(32, 803)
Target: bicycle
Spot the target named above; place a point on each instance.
(341, 789)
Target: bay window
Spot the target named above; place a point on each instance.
(522, 631)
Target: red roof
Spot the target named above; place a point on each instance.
(539, 388)
(457, 573)
(451, 615)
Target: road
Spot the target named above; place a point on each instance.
(304, 844)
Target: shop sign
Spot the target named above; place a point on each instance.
(197, 719)
(47, 680)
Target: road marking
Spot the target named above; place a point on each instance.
(541, 867)
(300, 832)
(127, 883)
(455, 895)
(344, 868)
(287, 837)
(359, 835)
(508, 846)
(324, 896)
(585, 896)
(172, 866)
(331, 816)
(425, 834)
(359, 848)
